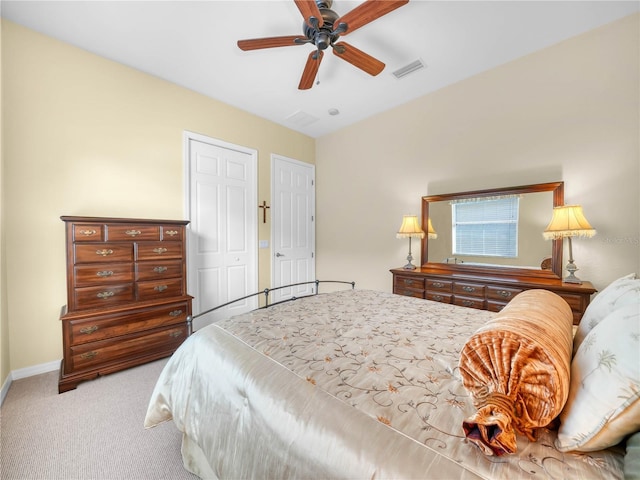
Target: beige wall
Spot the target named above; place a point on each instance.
(4, 317)
(87, 136)
(569, 112)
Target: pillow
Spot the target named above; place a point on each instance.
(516, 367)
(622, 291)
(604, 395)
(632, 458)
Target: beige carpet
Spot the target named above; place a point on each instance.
(93, 432)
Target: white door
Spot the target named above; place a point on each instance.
(221, 185)
(293, 227)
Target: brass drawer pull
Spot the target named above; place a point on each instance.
(87, 233)
(504, 293)
(160, 288)
(105, 295)
(438, 284)
(175, 334)
(105, 273)
(105, 252)
(467, 303)
(159, 269)
(468, 289)
(171, 233)
(437, 298)
(88, 330)
(133, 233)
(88, 355)
(175, 313)
(160, 250)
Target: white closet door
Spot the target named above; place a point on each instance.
(222, 205)
(293, 226)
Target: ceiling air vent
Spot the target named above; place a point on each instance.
(409, 68)
(301, 118)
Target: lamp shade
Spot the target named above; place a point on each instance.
(431, 233)
(568, 221)
(410, 228)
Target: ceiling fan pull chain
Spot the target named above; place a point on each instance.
(318, 74)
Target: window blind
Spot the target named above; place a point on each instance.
(486, 227)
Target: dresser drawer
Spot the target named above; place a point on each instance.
(469, 302)
(469, 289)
(158, 250)
(409, 293)
(495, 305)
(103, 253)
(502, 293)
(409, 282)
(439, 285)
(574, 301)
(102, 353)
(89, 275)
(87, 233)
(439, 297)
(119, 233)
(114, 325)
(157, 270)
(171, 233)
(577, 302)
(170, 287)
(103, 296)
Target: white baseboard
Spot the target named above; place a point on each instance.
(5, 389)
(35, 370)
(27, 372)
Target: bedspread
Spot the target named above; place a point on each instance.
(352, 384)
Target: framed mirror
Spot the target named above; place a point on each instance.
(465, 244)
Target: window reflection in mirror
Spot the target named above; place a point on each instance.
(532, 249)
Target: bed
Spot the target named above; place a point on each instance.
(347, 384)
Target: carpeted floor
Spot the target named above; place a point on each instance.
(93, 432)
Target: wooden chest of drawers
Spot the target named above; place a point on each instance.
(485, 293)
(126, 295)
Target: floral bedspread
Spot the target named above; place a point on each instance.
(396, 359)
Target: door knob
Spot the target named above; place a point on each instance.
(279, 254)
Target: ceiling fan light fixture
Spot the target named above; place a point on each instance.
(409, 69)
(323, 40)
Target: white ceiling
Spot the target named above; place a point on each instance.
(193, 44)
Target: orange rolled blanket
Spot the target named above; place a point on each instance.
(516, 368)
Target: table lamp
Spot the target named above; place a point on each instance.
(569, 221)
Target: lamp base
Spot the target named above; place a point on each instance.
(571, 270)
(409, 265)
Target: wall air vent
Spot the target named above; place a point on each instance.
(409, 68)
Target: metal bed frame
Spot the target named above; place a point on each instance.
(266, 293)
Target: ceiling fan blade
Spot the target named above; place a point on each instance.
(358, 58)
(310, 70)
(367, 12)
(309, 9)
(270, 42)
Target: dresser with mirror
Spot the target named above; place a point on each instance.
(490, 282)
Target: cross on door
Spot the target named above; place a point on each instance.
(264, 207)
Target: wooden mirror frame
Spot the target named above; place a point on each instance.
(557, 188)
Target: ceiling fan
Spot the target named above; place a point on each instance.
(323, 27)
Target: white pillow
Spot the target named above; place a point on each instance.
(604, 395)
(620, 292)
